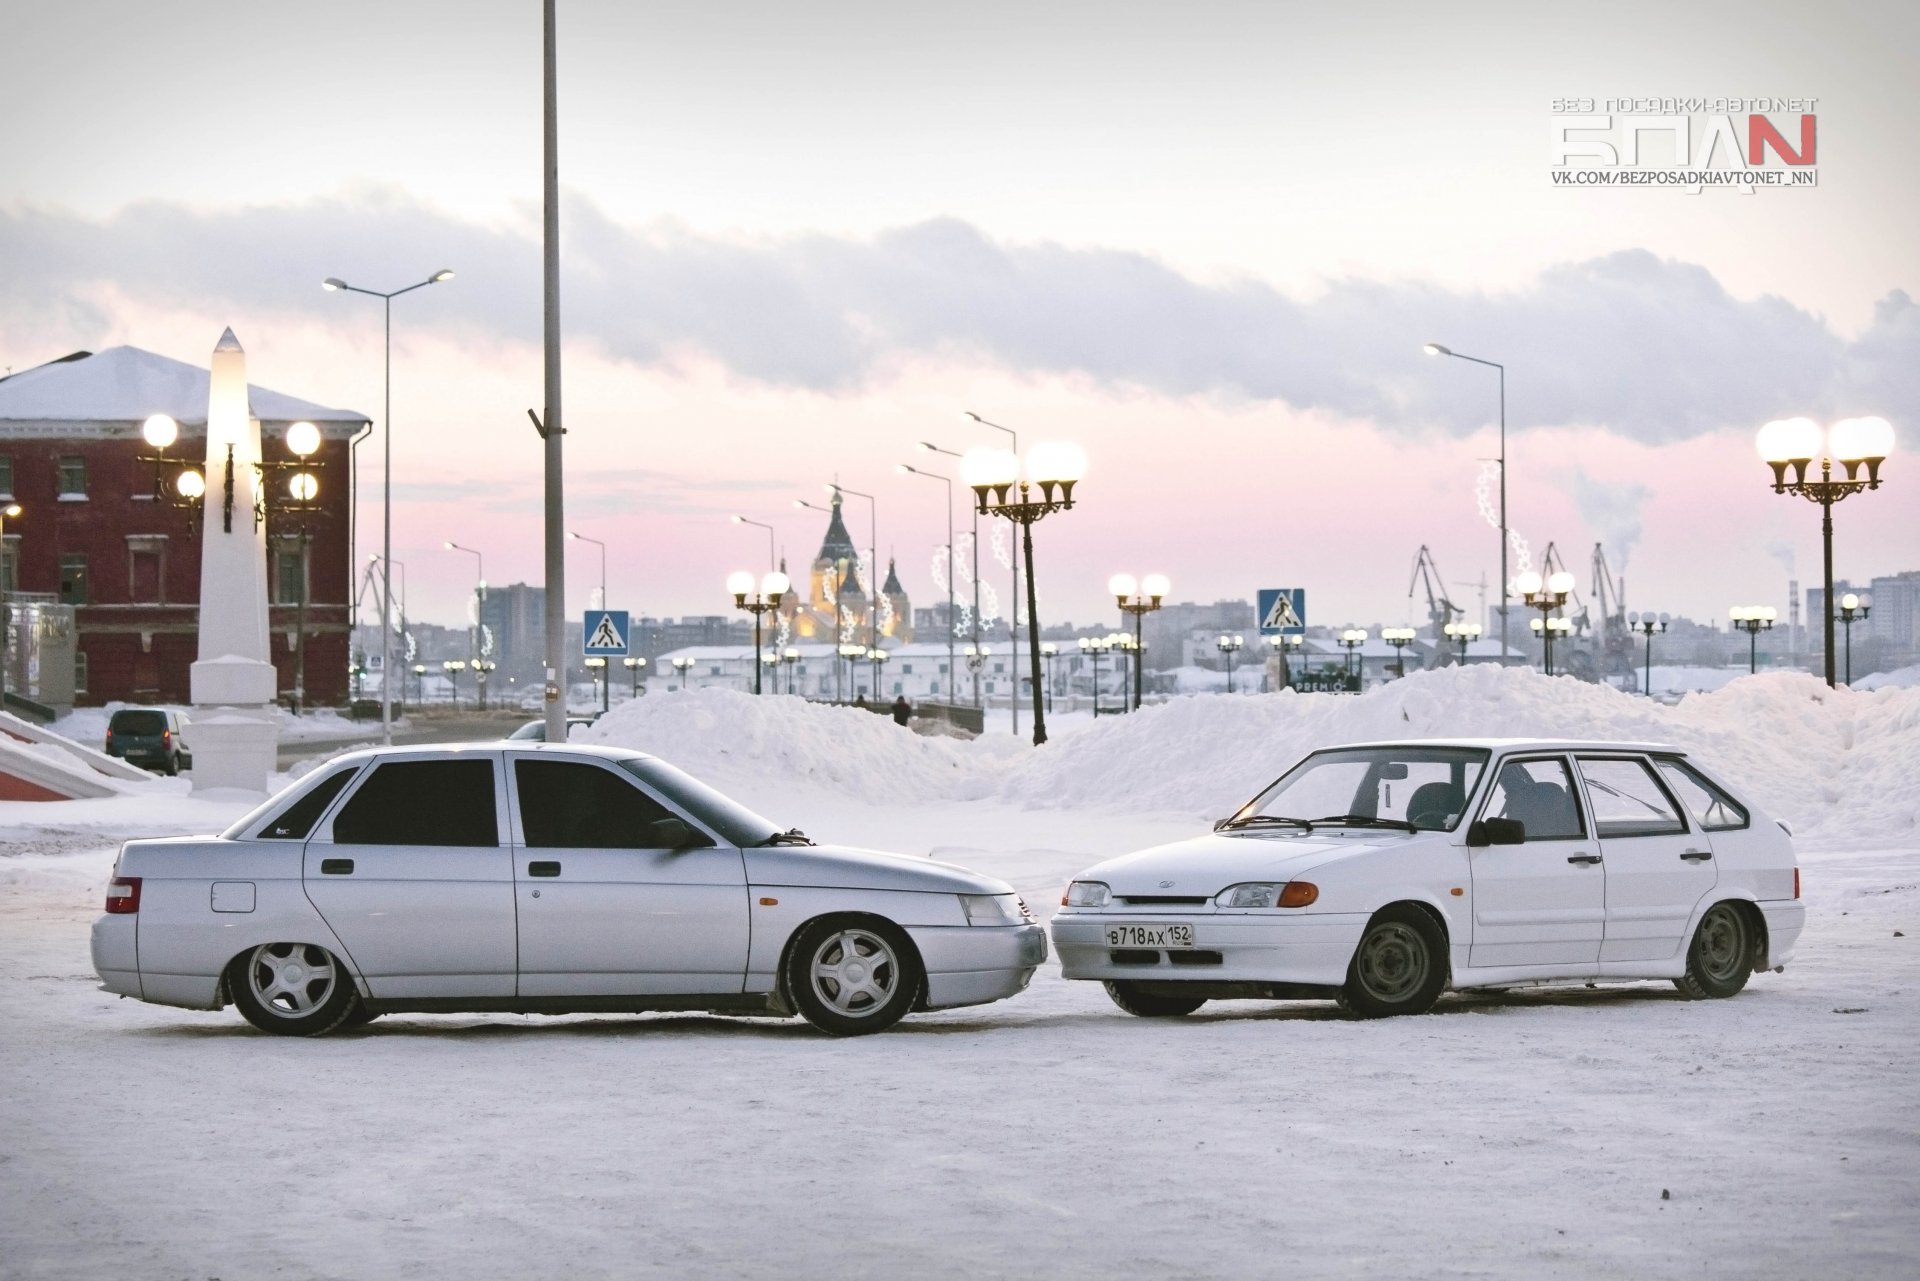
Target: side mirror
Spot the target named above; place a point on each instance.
(1497, 831)
(671, 834)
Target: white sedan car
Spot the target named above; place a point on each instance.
(1380, 874)
(545, 879)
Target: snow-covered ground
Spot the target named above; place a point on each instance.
(88, 725)
(1611, 1133)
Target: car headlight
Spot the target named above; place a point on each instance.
(995, 909)
(1086, 894)
(1268, 894)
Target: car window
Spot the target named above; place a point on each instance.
(297, 820)
(1627, 799)
(1539, 794)
(1712, 808)
(153, 723)
(1425, 786)
(570, 805)
(421, 803)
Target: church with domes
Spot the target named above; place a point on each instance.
(839, 605)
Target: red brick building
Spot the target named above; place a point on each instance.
(102, 528)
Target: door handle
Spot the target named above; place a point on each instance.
(1588, 859)
(1695, 856)
(336, 867)
(543, 869)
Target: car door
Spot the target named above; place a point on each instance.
(1658, 866)
(413, 876)
(605, 909)
(1542, 903)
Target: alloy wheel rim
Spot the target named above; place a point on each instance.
(1723, 943)
(1393, 962)
(854, 972)
(291, 980)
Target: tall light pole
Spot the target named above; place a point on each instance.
(1139, 599)
(1853, 606)
(952, 671)
(603, 562)
(1229, 646)
(1753, 619)
(1647, 624)
(1794, 443)
(1013, 608)
(1435, 349)
(932, 448)
(873, 578)
(332, 283)
(760, 524)
(479, 593)
(552, 429)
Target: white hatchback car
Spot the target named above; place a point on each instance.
(546, 879)
(1380, 874)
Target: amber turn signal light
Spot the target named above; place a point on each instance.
(1299, 894)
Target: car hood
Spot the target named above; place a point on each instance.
(845, 867)
(1208, 864)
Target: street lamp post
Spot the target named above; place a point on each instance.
(877, 658)
(952, 671)
(1350, 640)
(683, 666)
(1549, 630)
(1753, 619)
(909, 469)
(330, 284)
(1049, 651)
(1545, 595)
(1280, 645)
(873, 576)
(772, 587)
(1435, 349)
(1229, 646)
(760, 524)
(635, 665)
(1851, 607)
(1647, 624)
(597, 669)
(1399, 638)
(976, 656)
(1462, 634)
(419, 683)
(479, 594)
(1093, 647)
(453, 667)
(483, 668)
(1853, 442)
(1013, 606)
(788, 658)
(603, 566)
(853, 652)
(1139, 599)
(993, 474)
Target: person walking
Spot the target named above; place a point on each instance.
(902, 710)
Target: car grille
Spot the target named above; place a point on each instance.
(1152, 956)
(1162, 900)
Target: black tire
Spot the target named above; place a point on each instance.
(1150, 1005)
(849, 976)
(359, 1017)
(292, 989)
(173, 766)
(1400, 966)
(1720, 958)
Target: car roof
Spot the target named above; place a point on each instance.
(1508, 745)
(489, 745)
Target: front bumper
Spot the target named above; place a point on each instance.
(1305, 948)
(974, 964)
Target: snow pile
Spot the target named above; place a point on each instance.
(1837, 764)
(1903, 678)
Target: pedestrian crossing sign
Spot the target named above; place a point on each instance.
(1283, 611)
(606, 633)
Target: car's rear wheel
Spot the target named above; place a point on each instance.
(292, 989)
(1150, 1005)
(851, 977)
(1400, 966)
(1720, 958)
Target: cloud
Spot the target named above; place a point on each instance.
(1647, 347)
(1611, 511)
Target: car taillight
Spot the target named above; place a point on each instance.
(166, 738)
(1796, 882)
(123, 895)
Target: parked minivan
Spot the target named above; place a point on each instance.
(149, 737)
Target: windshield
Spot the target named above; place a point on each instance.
(1420, 788)
(152, 723)
(740, 825)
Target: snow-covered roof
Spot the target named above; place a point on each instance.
(110, 393)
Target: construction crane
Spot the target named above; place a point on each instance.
(1613, 640)
(1440, 610)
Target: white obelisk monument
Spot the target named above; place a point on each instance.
(233, 735)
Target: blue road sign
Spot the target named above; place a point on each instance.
(1283, 611)
(605, 633)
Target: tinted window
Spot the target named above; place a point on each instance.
(1540, 795)
(422, 803)
(1712, 808)
(138, 723)
(718, 811)
(294, 822)
(564, 804)
(1628, 800)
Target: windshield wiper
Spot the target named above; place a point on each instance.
(792, 836)
(1228, 824)
(1367, 820)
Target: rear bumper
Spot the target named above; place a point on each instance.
(116, 958)
(1785, 919)
(1311, 948)
(974, 964)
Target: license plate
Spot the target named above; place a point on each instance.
(1149, 936)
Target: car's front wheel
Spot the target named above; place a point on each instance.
(1400, 966)
(1132, 998)
(851, 977)
(292, 989)
(1720, 958)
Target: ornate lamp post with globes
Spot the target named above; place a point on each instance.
(1138, 599)
(993, 474)
(1399, 638)
(1350, 640)
(1852, 607)
(1463, 635)
(683, 666)
(1647, 625)
(634, 665)
(772, 587)
(1753, 619)
(1280, 645)
(1791, 444)
(1229, 646)
(1549, 630)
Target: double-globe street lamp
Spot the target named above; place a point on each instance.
(1549, 630)
(853, 652)
(1647, 625)
(1753, 619)
(1139, 599)
(635, 665)
(683, 666)
(1049, 651)
(1229, 646)
(993, 474)
(1793, 444)
(1093, 647)
(1853, 606)
(1399, 638)
(331, 284)
(773, 586)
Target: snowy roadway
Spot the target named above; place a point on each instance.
(1613, 1133)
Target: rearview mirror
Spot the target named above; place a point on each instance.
(671, 834)
(1497, 831)
(1395, 770)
